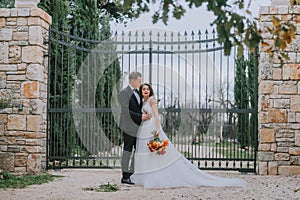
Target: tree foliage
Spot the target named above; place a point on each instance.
(233, 29)
(245, 94)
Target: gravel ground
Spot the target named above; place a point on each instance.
(71, 187)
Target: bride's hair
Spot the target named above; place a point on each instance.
(150, 88)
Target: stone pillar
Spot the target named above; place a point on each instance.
(279, 99)
(23, 66)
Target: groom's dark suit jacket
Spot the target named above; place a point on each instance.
(131, 112)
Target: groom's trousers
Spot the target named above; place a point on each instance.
(128, 152)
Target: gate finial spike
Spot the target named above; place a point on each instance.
(158, 35)
(136, 33)
(213, 31)
(192, 33)
(172, 34)
(206, 31)
(129, 34)
(165, 34)
(143, 34)
(199, 32)
(150, 33)
(185, 33)
(178, 34)
(123, 34)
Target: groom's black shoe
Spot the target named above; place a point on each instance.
(127, 181)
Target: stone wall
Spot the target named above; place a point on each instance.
(279, 100)
(23, 67)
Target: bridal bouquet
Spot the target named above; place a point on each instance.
(157, 145)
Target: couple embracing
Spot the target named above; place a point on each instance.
(139, 118)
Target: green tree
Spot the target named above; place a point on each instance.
(7, 3)
(84, 19)
(245, 93)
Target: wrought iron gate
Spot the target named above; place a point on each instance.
(201, 104)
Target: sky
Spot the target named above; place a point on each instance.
(194, 19)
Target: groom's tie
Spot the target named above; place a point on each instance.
(136, 93)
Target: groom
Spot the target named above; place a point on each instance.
(131, 118)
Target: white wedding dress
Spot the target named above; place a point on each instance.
(171, 169)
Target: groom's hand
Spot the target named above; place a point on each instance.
(146, 116)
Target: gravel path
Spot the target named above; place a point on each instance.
(74, 180)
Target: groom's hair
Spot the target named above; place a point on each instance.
(134, 75)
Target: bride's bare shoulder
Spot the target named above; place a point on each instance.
(153, 101)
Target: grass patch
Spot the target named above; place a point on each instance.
(20, 181)
(103, 188)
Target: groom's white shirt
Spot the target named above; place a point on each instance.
(137, 96)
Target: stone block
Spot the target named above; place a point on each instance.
(297, 119)
(263, 117)
(30, 89)
(23, 12)
(264, 10)
(35, 72)
(16, 122)
(8, 67)
(278, 116)
(18, 43)
(297, 139)
(267, 135)
(266, 87)
(291, 72)
(14, 133)
(295, 103)
(288, 170)
(14, 12)
(33, 135)
(32, 54)
(34, 21)
(35, 35)
(21, 170)
(6, 34)
(31, 149)
(13, 148)
(33, 142)
(281, 103)
(22, 21)
(21, 160)
(294, 151)
(34, 163)
(38, 106)
(20, 36)
(277, 74)
(3, 118)
(272, 168)
(282, 149)
(264, 147)
(34, 122)
(7, 161)
(4, 12)
(291, 117)
(283, 10)
(265, 156)
(14, 53)
(22, 29)
(3, 52)
(22, 66)
(282, 156)
(288, 89)
(14, 77)
(262, 168)
(2, 22)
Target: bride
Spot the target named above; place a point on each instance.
(171, 169)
